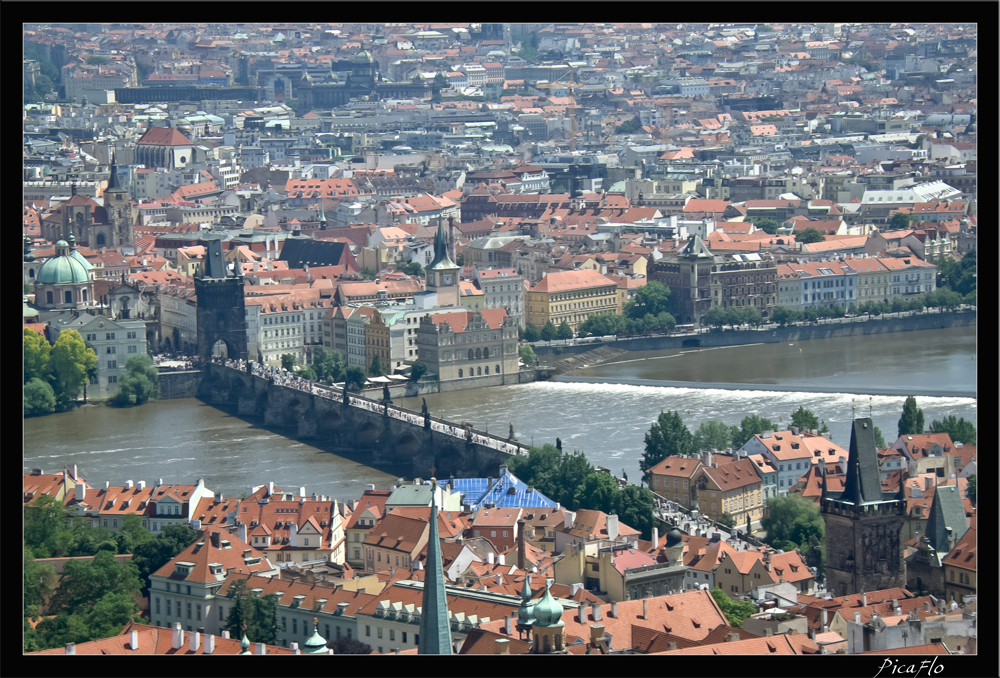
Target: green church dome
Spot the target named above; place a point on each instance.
(62, 270)
(524, 611)
(315, 643)
(548, 611)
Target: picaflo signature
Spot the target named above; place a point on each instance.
(898, 668)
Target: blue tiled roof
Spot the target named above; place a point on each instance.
(475, 492)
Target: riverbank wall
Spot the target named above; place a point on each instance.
(180, 384)
(845, 327)
(410, 390)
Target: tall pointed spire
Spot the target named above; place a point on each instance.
(322, 215)
(441, 258)
(113, 184)
(435, 626)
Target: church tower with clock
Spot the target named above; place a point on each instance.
(443, 273)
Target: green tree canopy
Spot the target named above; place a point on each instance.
(809, 235)
(785, 316)
(564, 331)
(413, 268)
(140, 383)
(36, 356)
(899, 221)
(417, 370)
(329, 365)
(260, 614)
(40, 579)
(912, 420)
(84, 582)
(355, 378)
(971, 488)
(735, 610)
(793, 522)
(527, 354)
(346, 645)
(306, 372)
(727, 519)
(152, 554)
(97, 60)
(629, 126)
(288, 361)
(879, 439)
(549, 332)
(652, 298)
(960, 430)
(531, 332)
(377, 369)
(766, 224)
(749, 427)
(668, 436)
(71, 362)
(714, 435)
(39, 398)
(804, 419)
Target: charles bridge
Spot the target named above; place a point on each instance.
(381, 435)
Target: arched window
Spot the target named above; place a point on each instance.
(100, 239)
(460, 373)
(69, 296)
(487, 369)
(79, 218)
(486, 352)
(471, 354)
(496, 370)
(479, 370)
(479, 354)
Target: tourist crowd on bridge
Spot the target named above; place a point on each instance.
(282, 377)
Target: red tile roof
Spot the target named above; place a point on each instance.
(157, 640)
(230, 553)
(163, 136)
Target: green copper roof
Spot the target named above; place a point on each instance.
(548, 611)
(62, 270)
(316, 643)
(524, 612)
(245, 644)
(435, 626)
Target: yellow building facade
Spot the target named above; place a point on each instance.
(571, 296)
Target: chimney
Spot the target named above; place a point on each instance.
(672, 645)
(568, 518)
(225, 634)
(70, 648)
(209, 644)
(596, 633)
(489, 557)
(927, 606)
(258, 648)
(141, 485)
(506, 624)
(302, 492)
(596, 607)
(501, 559)
(768, 632)
(612, 527)
(107, 485)
(293, 530)
(215, 539)
(656, 538)
(733, 637)
(270, 488)
(295, 648)
(502, 646)
(812, 634)
(80, 491)
(498, 578)
(133, 639)
(864, 599)
(177, 642)
(614, 610)
(194, 641)
(242, 532)
(824, 616)
(645, 609)
(707, 458)
(857, 617)
(159, 482)
(581, 613)
(74, 472)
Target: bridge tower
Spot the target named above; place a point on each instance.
(221, 310)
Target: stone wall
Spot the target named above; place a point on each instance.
(179, 384)
(848, 328)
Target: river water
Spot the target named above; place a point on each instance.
(183, 440)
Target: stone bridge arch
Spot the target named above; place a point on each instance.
(331, 421)
(296, 410)
(406, 447)
(368, 433)
(237, 389)
(448, 460)
(260, 405)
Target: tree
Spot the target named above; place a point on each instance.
(912, 420)
(971, 488)
(531, 332)
(150, 555)
(527, 354)
(260, 614)
(668, 436)
(346, 645)
(140, 382)
(549, 332)
(960, 430)
(132, 534)
(735, 610)
(306, 372)
(793, 522)
(368, 274)
(629, 126)
(809, 235)
(564, 331)
(71, 361)
(716, 317)
(784, 316)
(329, 365)
(36, 356)
(899, 221)
(39, 579)
(355, 378)
(84, 582)
(749, 427)
(652, 298)
(714, 435)
(377, 369)
(413, 268)
(879, 439)
(727, 519)
(804, 419)
(767, 224)
(39, 398)
(97, 60)
(417, 370)
(288, 361)
(43, 84)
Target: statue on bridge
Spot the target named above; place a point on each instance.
(347, 400)
(559, 444)
(510, 436)
(427, 416)
(386, 399)
(624, 475)
(468, 433)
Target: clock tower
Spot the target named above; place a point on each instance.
(442, 274)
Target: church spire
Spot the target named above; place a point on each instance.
(322, 215)
(441, 258)
(113, 184)
(435, 626)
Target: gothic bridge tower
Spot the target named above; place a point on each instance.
(221, 311)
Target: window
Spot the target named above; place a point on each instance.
(189, 610)
(505, 533)
(368, 630)
(157, 605)
(189, 590)
(392, 634)
(404, 636)
(222, 616)
(493, 533)
(379, 630)
(307, 541)
(198, 612)
(295, 625)
(169, 601)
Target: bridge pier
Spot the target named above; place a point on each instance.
(274, 417)
(246, 406)
(308, 428)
